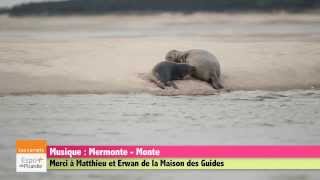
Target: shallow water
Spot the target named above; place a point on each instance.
(101, 57)
(236, 118)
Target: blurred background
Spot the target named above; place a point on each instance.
(107, 6)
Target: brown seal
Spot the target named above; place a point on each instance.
(206, 64)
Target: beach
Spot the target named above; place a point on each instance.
(81, 80)
(108, 54)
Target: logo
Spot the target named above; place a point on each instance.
(31, 156)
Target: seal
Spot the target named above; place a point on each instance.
(206, 64)
(166, 71)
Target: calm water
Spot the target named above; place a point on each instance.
(265, 58)
(255, 117)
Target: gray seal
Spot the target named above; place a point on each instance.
(165, 72)
(206, 64)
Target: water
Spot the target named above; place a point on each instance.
(237, 118)
(77, 81)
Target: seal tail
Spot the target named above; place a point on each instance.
(215, 82)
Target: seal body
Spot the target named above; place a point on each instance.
(206, 64)
(165, 72)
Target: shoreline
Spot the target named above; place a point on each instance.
(315, 11)
(149, 93)
(190, 6)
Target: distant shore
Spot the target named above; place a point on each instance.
(4, 11)
(96, 7)
(309, 11)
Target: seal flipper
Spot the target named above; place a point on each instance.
(160, 84)
(171, 83)
(155, 80)
(215, 83)
(219, 84)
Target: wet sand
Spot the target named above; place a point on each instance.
(106, 54)
(80, 80)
